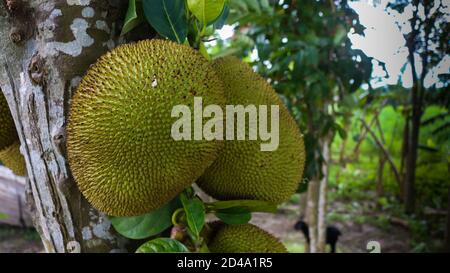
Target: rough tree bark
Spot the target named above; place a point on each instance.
(45, 48)
(323, 190)
(313, 197)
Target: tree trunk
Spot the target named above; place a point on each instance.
(380, 172)
(413, 141)
(313, 197)
(302, 205)
(404, 157)
(322, 202)
(381, 162)
(343, 149)
(45, 48)
(447, 229)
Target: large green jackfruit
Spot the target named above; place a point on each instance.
(8, 134)
(13, 159)
(120, 147)
(246, 238)
(243, 171)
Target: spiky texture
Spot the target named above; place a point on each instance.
(246, 238)
(13, 159)
(8, 134)
(120, 148)
(243, 171)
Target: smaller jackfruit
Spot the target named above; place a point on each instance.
(13, 159)
(8, 132)
(246, 238)
(242, 170)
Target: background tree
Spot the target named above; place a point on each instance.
(427, 43)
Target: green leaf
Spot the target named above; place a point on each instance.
(340, 34)
(162, 245)
(254, 6)
(146, 225)
(220, 22)
(134, 16)
(168, 18)
(234, 216)
(342, 133)
(204, 52)
(195, 213)
(265, 5)
(206, 11)
(3, 216)
(250, 205)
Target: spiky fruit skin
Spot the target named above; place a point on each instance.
(120, 148)
(243, 171)
(8, 134)
(246, 238)
(13, 159)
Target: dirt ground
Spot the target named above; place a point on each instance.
(355, 236)
(17, 240)
(354, 239)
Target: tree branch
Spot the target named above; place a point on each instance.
(384, 150)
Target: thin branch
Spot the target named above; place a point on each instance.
(384, 150)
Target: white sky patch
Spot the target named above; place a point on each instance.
(254, 55)
(226, 32)
(382, 41)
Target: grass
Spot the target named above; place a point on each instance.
(294, 247)
(7, 232)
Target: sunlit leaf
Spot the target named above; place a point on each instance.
(234, 216)
(146, 225)
(195, 213)
(250, 205)
(206, 11)
(134, 16)
(162, 245)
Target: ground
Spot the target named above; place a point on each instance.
(355, 233)
(357, 230)
(17, 240)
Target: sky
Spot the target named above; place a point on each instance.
(383, 41)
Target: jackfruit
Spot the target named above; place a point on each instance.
(8, 134)
(119, 142)
(13, 159)
(246, 238)
(243, 171)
